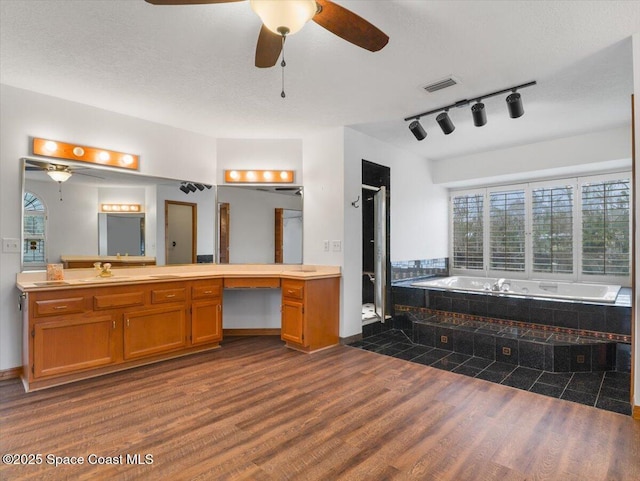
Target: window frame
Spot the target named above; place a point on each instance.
(577, 275)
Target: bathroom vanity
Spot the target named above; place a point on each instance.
(87, 325)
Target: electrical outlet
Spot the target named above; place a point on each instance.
(10, 245)
(336, 245)
(326, 245)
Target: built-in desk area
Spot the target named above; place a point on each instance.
(87, 325)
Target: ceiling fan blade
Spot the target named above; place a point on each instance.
(268, 48)
(349, 26)
(188, 2)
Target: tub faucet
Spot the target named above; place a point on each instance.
(497, 286)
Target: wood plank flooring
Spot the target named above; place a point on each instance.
(255, 410)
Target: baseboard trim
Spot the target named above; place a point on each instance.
(635, 412)
(251, 332)
(348, 340)
(13, 373)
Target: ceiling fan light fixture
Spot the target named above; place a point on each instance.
(290, 14)
(59, 175)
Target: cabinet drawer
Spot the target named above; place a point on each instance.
(206, 292)
(56, 307)
(251, 282)
(176, 294)
(112, 301)
(293, 290)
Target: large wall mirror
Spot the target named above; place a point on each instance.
(64, 219)
(259, 224)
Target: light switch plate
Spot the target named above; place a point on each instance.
(10, 245)
(336, 245)
(326, 245)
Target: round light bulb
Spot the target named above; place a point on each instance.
(251, 175)
(127, 159)
(234, 175)
(50, 146)
(284, 175)
(268, 175)
(104, 156)
(78, 151)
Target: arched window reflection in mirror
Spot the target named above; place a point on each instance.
(35, 230)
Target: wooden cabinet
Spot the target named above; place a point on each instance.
(72, 343)
(81, 332)
(154, 331)
(310, 313)
(206, 311)
(71, 333)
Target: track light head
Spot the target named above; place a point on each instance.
(479, 114)
(514, 104)
(184, 189)
(200, 187)
(191, 187)
(417, 130)
(445, 123)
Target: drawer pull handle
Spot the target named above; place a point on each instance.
(170, 295)
(289, 292)
(114, 324)
(208, 292)
(59, 307)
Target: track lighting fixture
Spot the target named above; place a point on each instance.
(188, 187)
(478, 112)
(184, 189)
(445, 123)
(514, 104)
(417, 130)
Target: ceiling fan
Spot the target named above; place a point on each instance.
(58, 172)
(285, 17)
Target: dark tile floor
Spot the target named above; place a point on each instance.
(605, 390)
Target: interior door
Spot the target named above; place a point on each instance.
(223, 231)
(380, 251)
(180, 232)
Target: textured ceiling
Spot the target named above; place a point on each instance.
(192, 67)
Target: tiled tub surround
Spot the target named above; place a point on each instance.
(417, 269)
(608, 321)
(510, 342)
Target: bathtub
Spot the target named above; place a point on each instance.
(549, 289)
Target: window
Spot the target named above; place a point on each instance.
(605, 227)
(468, 231)
(552, 229)
(506, 229)
(35, 219)
(572, 229)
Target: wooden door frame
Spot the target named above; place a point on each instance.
(224, 214)
(194, 229)
(279, 236)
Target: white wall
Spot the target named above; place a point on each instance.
(580, 154)
(164, 152)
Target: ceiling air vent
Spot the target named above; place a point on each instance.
(441, 84)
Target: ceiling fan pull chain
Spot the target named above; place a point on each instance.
(283, 64)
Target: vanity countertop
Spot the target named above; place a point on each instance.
(74, 278)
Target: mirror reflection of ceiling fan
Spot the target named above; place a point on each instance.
(58, 172)
(281, 18)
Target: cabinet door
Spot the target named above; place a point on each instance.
(154, 331)
(72, 343)
(206, 321)
(292, 322)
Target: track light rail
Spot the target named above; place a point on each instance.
(465, 102)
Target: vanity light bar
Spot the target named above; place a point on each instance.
(121, 208)
(62, 150)
(259, 176)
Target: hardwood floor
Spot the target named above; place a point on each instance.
(255, 410)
